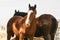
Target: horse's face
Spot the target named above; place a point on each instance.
(31, 14)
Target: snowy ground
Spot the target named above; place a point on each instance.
(3, 33)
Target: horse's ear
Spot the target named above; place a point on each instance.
(35, 6)
(29, 5)
(15, 11)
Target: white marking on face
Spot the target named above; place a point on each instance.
(27, 20)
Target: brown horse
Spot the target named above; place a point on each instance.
(30, 21)
(10, 25)
(22, 26)
(46, 26)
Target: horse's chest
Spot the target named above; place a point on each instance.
(30, 31)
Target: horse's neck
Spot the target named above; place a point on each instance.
(33, 20)
(24, 19)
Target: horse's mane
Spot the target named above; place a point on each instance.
(20, 13)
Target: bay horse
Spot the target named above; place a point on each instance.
(10, 26)
(46, 26)
(22, 14)
(10, 22)
(22, 26)
(30, 21)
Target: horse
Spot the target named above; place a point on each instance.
(30, 21)
(10, 22)
(22, 14)
(22, 26)
(10, 29)
(46, 26)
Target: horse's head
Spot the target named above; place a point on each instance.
(31, 14)
(18, 13)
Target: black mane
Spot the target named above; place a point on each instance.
(20, 13)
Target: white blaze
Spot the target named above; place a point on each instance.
(27, 20)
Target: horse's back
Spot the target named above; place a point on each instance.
(47, 19)
(46, 22)
(10, 23)
(13, 19)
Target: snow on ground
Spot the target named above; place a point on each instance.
(3, 33)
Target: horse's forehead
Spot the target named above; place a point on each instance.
(30, 11)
